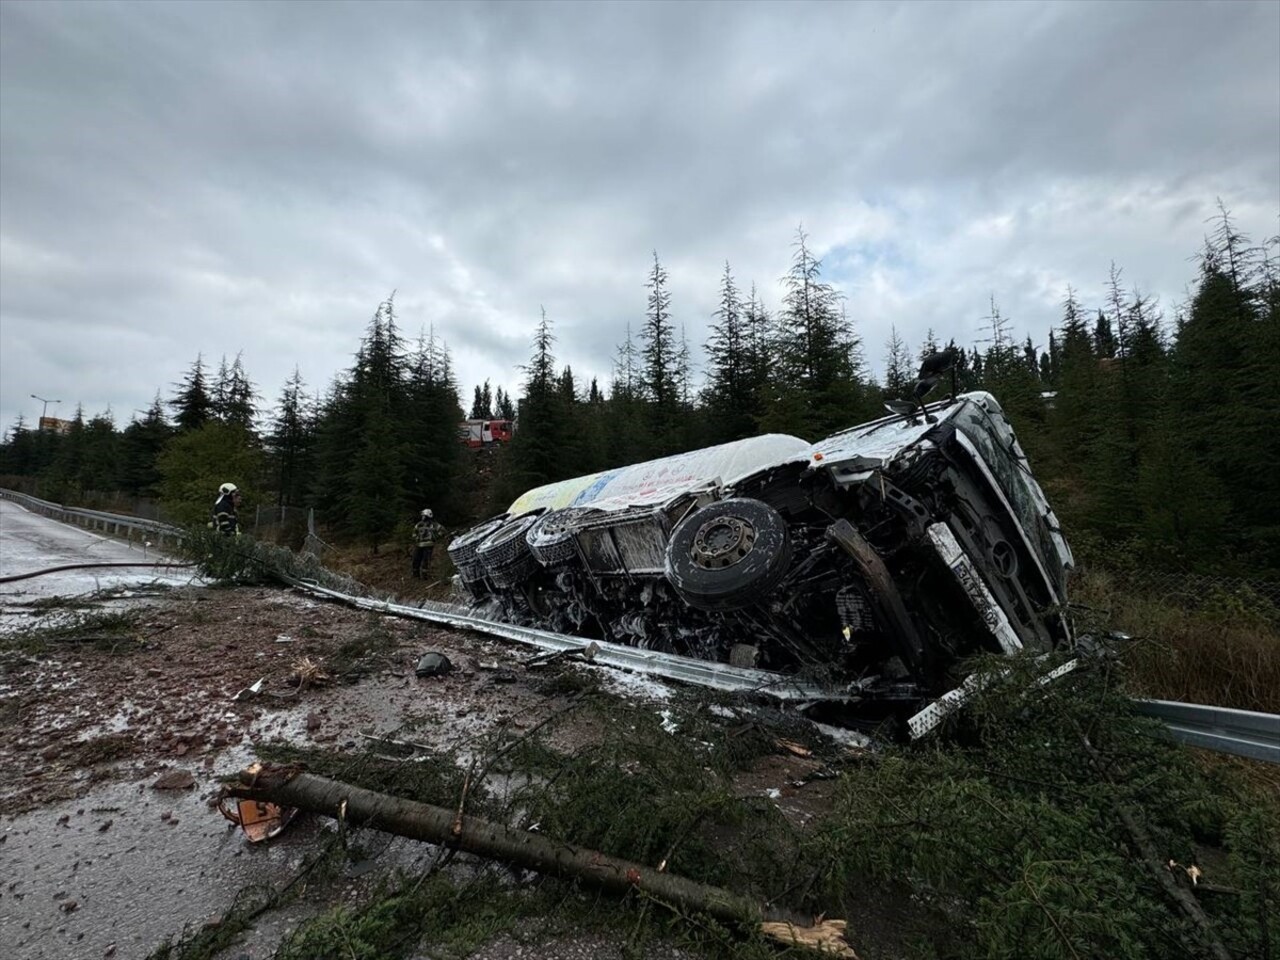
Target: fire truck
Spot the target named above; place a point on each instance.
(484, 433)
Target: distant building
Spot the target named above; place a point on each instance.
(54, 425)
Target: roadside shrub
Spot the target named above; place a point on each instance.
(1042, 821)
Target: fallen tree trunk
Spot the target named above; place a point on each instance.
(286, 786)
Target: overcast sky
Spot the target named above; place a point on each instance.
(210, 178)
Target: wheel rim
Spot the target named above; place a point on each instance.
(722, 542)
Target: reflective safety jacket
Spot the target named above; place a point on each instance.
(425, 532)
(224, 516)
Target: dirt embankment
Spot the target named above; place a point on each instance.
(100, 707)
(130, 694)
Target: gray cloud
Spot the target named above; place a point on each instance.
(183, 178)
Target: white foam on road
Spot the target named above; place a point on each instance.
(30, 542)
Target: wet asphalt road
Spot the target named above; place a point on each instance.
(30, 542)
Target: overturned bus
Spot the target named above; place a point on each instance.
(870, 562)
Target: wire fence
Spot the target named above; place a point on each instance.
(1194, 590)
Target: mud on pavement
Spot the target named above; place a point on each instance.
(96, 860)
(117, 721)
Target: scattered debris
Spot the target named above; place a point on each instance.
(174, 780)
(308, 673)
(433, 665)
(285, 638)
(585, 654)
(401, 748)
(794, 748)
(825, 936)
(258, 819)
(250, 691)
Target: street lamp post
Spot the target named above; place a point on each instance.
(46, 404)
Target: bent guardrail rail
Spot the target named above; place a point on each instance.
(117, 524)
(1240, 732)
(670, 666)
(1243, 733)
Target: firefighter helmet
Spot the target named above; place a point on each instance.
(427, 514)
(228, 488)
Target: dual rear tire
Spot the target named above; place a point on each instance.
(729, 554)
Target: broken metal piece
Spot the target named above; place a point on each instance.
(585, 654)
(250, 691)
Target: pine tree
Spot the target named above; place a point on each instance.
(930, 345)
(898, 374)
(239, 406)
(729, 394)
(627, 440)
(218, 391)
(591, 422)
(193, 406)
(432, 457)
(373, 495)
(504, 407)
(100, 471)
(482, 402)
(141, 445)
(1117, 320)
(538, 451)
(1075, 418)
(1030, 357)
(358, 403)
(290, 443)
(1104, 340)
(1221, 392)
(17, 450)
(65, 471)
(760, 344)
(660, 364)
(1007, 375)
(817, 390)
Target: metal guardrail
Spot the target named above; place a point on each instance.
(1239, 732)
(670, 666)
(113, 523)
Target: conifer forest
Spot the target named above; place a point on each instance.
(1151, 426)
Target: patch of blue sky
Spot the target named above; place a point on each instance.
(846, 265)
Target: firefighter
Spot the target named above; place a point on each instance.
(425, 532)
(225, 518)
